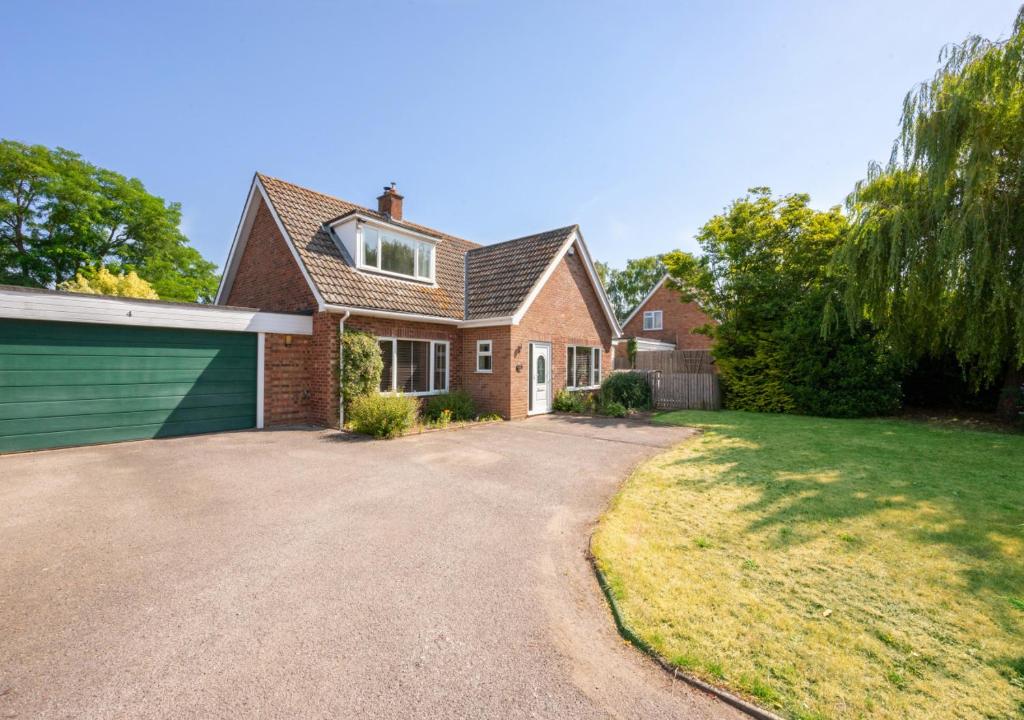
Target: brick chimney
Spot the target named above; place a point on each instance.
(390, 203)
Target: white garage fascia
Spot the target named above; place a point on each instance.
(54, 306)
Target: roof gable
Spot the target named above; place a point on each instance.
(473, 283)
(500, 277)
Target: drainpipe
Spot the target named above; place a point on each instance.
(341, 360)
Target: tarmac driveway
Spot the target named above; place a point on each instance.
(296, 574)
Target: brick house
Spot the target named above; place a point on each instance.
(511, 323)
(662, 321)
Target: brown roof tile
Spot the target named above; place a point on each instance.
(500, 275)
(304, 213)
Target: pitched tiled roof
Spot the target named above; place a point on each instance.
(499, 277)
(304, 212)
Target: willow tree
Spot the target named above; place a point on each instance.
(936, 249)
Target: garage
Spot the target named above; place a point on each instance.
(81, 369)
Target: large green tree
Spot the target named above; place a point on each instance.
(936, 250)
(764, 277)
(627, 287)
(60, 214)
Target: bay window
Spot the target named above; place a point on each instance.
(583, 366)
(414, 367)
(395, 254)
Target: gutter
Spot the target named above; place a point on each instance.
(341, 361)
(414, 317)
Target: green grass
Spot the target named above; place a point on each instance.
(830, 568)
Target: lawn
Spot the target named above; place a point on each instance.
(830, 568)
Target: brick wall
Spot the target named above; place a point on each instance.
(287, 393)
(679, 319)
(566, 312)
(268, 277)
(491, 391)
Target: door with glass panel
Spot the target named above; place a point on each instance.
(540, 378)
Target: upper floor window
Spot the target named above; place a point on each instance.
(652, 320)
(394, 254)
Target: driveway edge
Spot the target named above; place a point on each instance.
(627, 633)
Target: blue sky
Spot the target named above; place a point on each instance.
(637, 120)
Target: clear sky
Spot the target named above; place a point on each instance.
(637, 120)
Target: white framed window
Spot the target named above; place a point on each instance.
(414, 367)
(652, 320)
(582, 367)
(484, 356)
(394, 254)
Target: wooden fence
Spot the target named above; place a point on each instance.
(669, 361)
(685, 391)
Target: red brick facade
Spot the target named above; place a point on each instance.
(300, 378)
(679, 319)
(268, 278)
(566, 312)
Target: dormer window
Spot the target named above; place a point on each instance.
(392, 253)
(381, 247)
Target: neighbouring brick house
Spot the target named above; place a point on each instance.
(511, 323)
(662, 321)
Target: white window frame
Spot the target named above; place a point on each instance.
(430, 375)
(595, 366)
(656, 318)
(417, 243)
(489, 353)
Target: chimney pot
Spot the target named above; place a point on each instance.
(390, 203)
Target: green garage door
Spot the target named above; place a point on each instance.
(74, 384)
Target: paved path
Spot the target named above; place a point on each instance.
(293, 574)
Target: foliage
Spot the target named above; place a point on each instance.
(458, 404)
(627, 287)
(874, 581)
(764, 276)
(631, 346)
(490, 417)
(361, 366)
(444, 419)
(630, 389)
(382, 416)
(613, 408)
(103, 282)
(60, 214)
(573, 402)
(936, 251)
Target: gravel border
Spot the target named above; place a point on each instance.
(627, 633)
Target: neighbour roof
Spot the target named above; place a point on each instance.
(499, 277)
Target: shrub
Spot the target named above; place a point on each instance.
(459, 405)
(574, 402)
(383, 416)
(629, 389)
(614, 409)
(361, 366)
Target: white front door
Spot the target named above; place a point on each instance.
(540, 378)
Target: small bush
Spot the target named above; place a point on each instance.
(574, 402)
(459, 405)
(361, 366)
(614, 409)
(628, 389)
(382, 416)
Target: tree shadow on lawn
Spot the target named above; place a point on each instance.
(965, 489)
